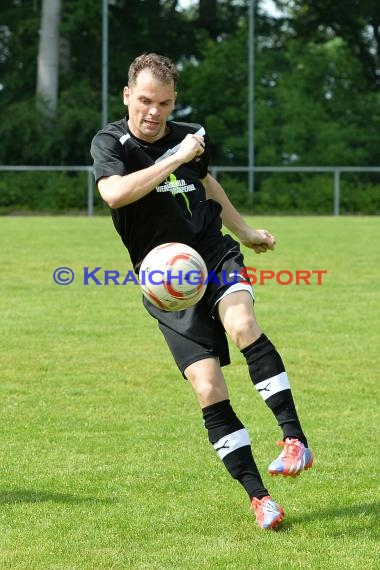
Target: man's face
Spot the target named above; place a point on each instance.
(150, 103)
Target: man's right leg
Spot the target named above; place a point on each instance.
(229, 437)
(269, 377)
(193, 337)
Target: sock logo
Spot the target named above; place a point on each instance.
(273, 385)
(232, 441)
(265, 389)
(224, 446)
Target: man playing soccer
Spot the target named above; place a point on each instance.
(153, 174)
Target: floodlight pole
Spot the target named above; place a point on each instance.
(105, 63)
(251, 96)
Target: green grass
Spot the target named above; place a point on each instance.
(105, 462)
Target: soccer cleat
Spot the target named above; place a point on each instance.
(293, 459)
(269, 514)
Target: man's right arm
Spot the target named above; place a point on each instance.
(118, 191)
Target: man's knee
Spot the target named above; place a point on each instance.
(238, 318)
(243, 329)
(207, 381)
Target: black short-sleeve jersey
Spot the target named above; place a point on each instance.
(176, 210)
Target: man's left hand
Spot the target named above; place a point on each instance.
(259, 240)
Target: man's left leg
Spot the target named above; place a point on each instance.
(269, 377)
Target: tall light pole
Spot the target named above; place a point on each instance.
(251, 96)
(105, 63)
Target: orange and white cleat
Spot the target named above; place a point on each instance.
(293, 459)
(269, 514)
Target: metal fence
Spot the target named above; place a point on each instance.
(335, 171)
(88, 169)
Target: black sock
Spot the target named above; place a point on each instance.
(269, 377)
(231, 441)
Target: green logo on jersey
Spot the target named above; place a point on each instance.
(172, 179)
(174, 188)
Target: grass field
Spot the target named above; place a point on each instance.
(105, 463)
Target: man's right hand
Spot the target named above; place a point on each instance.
(191, 147)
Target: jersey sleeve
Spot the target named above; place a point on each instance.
(202, 165)
(108, 156)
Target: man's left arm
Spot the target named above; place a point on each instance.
(259, 240)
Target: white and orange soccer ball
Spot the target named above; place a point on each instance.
(172, 276)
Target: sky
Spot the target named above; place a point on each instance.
(266, 5)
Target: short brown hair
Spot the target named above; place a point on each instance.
(160, 66)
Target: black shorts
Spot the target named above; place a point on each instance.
(197, 333)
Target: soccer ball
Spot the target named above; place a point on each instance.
(172, 276)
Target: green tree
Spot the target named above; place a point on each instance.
(319, 108)
(215, 92)
(135, 26)
(314, 102)
(311, 103)
(356, 22)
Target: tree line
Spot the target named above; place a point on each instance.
(317, 77)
